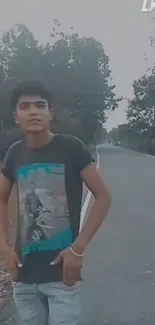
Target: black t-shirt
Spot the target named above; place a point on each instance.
(49, 198)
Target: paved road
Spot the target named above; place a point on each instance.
(119, 287)
(119, 272)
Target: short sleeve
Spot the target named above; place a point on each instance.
(81, 155)
(8, 166)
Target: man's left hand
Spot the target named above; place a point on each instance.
(71, 266)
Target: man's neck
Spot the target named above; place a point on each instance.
(37, 140)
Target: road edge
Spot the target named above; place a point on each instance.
(135, 151)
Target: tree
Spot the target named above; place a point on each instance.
(120, 134)
(141, 109)
(75, 68)
(141, 112)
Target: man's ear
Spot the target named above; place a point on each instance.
(15, 117)
(51, 114)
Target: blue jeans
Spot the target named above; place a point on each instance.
(48, 304)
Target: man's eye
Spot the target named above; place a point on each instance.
(24, 106)
(41, 105)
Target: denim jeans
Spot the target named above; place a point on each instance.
(48, 304)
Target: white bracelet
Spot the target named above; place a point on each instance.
(77, 255)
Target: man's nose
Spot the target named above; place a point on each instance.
(32, 109)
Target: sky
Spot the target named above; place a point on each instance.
(119, 25)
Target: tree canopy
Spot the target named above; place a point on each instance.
(119, 135)
(75, 68)
(139, 131)
(141, 112)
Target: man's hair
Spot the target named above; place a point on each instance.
(30, 88)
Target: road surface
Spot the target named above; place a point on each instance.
(119, 271)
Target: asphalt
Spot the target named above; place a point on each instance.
(119, 270)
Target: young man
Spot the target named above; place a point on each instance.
(46, 263)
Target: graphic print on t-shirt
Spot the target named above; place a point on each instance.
(43, 211)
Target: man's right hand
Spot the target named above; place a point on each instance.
(12, 261)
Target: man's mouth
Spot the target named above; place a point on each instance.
(36, 120)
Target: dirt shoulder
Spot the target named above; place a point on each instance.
(5, 279)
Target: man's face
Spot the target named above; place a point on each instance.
(32, 187)
(33, 114)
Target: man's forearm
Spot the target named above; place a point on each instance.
(93, 223)
(3, 226)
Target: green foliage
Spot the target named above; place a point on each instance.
(140, 129)
(75, 68)
(142, 107)
(120, 134)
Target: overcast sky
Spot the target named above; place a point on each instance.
(119, 24)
